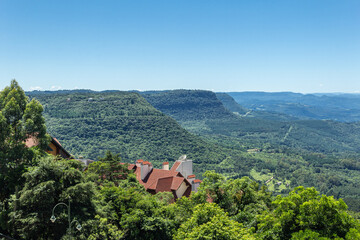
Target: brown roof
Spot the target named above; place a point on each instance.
(131, 166)
(160, 180)
(32, 141)
(177, 181)
(57, 141)
(175, 166)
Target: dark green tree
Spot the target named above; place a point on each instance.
(20, 119)
(50, 182)
(108, 169)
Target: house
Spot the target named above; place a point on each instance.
(179, 180)
(54, 147)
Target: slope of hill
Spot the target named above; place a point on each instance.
(230, 104)
(188, 105)
(338, 107)
(292, 152)
(201, 112)
(90, 123)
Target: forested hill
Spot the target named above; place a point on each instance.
(90, 123)
(230, 104)
(303, 152)
(202, 112)
(188, 105)
(338, 107)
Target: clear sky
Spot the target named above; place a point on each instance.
(253, 45)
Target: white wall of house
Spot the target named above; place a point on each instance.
(181, 190)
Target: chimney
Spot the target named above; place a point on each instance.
(191, 179)
(138, 162)
(165, 166)
(146, 167)
(196, 184)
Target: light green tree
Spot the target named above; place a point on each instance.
(209, 221)
(304, 214)
(243, 199)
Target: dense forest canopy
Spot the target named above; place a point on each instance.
(294, 152)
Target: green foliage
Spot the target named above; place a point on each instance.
(108, 169)
(91, 123)
(230, 104)
(187, 105)
(48, 183)
(209, 221)
(242, 199)
(120, 208)
(309, 153)
(19, 119)
(101, 228)
(306, 211)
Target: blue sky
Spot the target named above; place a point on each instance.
(282, 45)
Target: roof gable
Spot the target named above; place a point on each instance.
(160, 180)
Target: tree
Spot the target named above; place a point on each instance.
(209, 221)
(304, 213)
(108, 169)
(20, 119)
(242, 199)
(50, 182)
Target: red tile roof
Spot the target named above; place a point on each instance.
(146, 163)
(197, 181)
(165, 163)
(139, 161)
(177, 181)
(57, 141)
(175, 166)
(191, 176)
(160, 180)
(131, 166)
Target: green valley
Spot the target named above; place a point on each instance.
(309, 153)
(293, 152)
